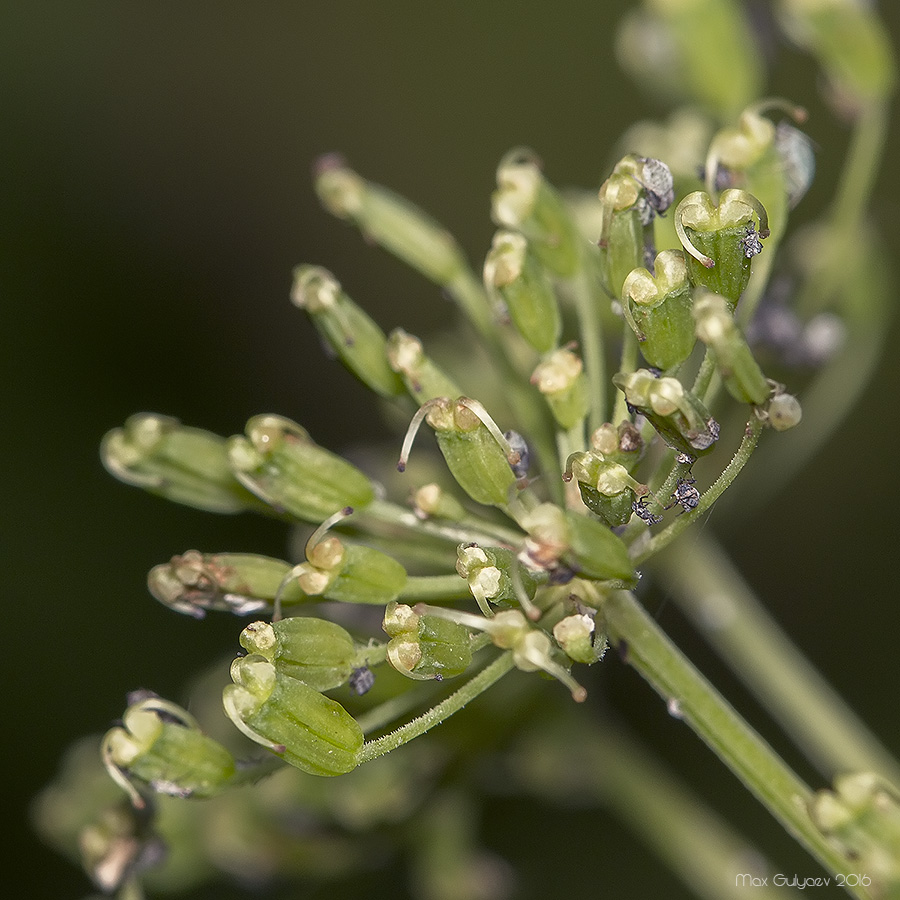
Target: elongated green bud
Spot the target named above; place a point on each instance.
(239, 583)
(560, 378)
(162, 745)
(493, 574)
(389, 220)
(305, 728)
(514, 273)
(679, 417)
(477, 454)
(525, 201)
(658, 309)
(606, 487)
(424, 379)
(281, 464)
(186, 465)
(315, 651)
(357, 340)
(740, 372)
(424, 646)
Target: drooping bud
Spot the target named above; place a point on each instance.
(423, 378)
(514, 273)
(186, 465)
(494, 576)
(354, 337)
(658, 309)
(734, 359)
(316, 651)
(606, 487)
(239, 583)
(679, 417)
(307, 729)
(477, 454)
(560, 378)
(721, 240)
(282, 465)
(424, 646)
(161, 745)
(524, 201)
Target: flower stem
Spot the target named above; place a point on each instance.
(651, 653)
(591, 340)
(446, 708)
(434, 588)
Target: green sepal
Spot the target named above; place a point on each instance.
(305, 728)
(658, 309)
(162, 745)
(597, 552)
(282, 465)
(367, 576)
(731, 273)
(357, 340)
(424, 646)
(182, 464)
(240, 583)
(318, 652)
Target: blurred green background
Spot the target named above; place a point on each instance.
(154, 197)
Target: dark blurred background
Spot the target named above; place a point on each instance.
(154, 197)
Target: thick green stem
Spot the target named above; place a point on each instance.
(434, 588)
(721, 605)
(694, 699)
(437, 714)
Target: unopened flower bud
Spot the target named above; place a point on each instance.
(354, 337)
(514, 273)
(186, 465)
(424, 379)
(740, 372)
(282, 465)
(560, 378)
(162, 745)
(607, 489)
(575, 635)
(493, 574)
(432, 501)
(721, 240)
(316, 651)
(425, 646)
(658, 309)
(239, 583)
(307, 729)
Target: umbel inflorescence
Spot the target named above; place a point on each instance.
(615, 397)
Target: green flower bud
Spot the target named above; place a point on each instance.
(315, 651)
(432, 501)
(477, 454)
(162, 745)
(680, 418)
(740, 372)
(423, 378)
(560, 378)
(294, 721)
(425, 647)
(240, 583)
(622, 445)
(575, 635)
(281, 464)
(357, 340)
(524, 201)
(606, 487)
(389, 220)
(850, 42)
(514, 273)
(623, 229)
(186, 465)
(721, 240)
(658, 309)
(493, 574)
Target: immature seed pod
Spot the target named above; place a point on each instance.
(307, 729)
(518, 278)
(316, 651)
(281, 464)
(577, 638)
(239, 583)
(658, 309)
(162, 745)
(607, 489)
(477, 454)
(720, 240)
(425, 647)
(560, 378)
(679, 417)
(185, 465)
(349, 331)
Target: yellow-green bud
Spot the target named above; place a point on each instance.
(606, 487)
(281, 464)
(575, 635)
(423, 378)
(305, 728)
(560, 378)
(492, 576)
(431, 500)
(424, 646)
